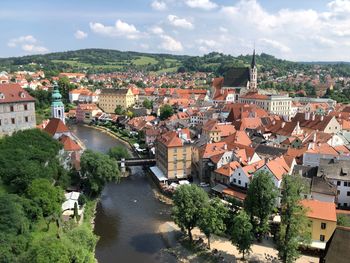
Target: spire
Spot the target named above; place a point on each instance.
(253, 64)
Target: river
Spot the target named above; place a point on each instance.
(128, 215)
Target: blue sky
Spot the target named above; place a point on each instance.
(295, 30)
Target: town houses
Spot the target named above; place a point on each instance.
(218, 132)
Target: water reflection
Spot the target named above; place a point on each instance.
(128, 215)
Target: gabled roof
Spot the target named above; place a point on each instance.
(337, 249)
(68, 144)
(14, 93)
(56, 126)
(228, 169)
(237, 77)
(320, 210)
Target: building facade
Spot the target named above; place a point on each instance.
(109, 99)
(173, 154)
(17, 109)
(275, 104)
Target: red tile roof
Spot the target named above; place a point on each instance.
(14, 93)
(68, 144)
(55, 126)
(320, 210)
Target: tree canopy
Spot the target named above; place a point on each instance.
(260, 202)
(212, 220)
(189, 202)
(97, 169)
(46, 196)
(294, 228)
(27, 155)
(166, 111)
(242, 235)
(118, 152)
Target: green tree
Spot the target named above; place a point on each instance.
(343, 220)
(14, 227)
(28, 155)
(241, 233)
(294, 228)
(166, 111)
(97, 170)
(189, 202)
(46, 196)
(147, 104)
(260, 202)
(65, 87)
(118, 152)
(76, 215)
(119, 110)
(212, 220)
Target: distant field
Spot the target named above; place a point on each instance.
(88, 65)
(143, 60)
(164, 70)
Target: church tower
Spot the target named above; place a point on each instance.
(57, 106)
(253, 83)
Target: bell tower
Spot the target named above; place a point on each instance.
(253, 84)
(57, 106)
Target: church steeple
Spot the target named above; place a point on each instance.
(253, 64)
(57, 106)
(253, 82)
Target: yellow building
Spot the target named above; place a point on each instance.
(109, 99)
(323, 219)
(173, 154)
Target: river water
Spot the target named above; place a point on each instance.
(128, 215)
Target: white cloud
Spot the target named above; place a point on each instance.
(80, 34)
(34, 49)
(202, 4)
(223, 29)
(170, 44)
(274, 44)
(20, 40)
(27, 43)
(159, 5)
(157, 30)
(207, 42)
(180, 22)
(339, 6)
(120, 29)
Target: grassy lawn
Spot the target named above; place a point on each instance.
(166, 70)
(143, 60)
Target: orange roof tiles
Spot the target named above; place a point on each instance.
(228, 169)
(320, 210)
(68, 144)
(55, 126)
(14, 93)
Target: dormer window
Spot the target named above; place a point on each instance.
(22, 95)
(2, 96)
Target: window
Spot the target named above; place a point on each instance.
(323, 225)
(246, 185)
(26, 119)
(322, 238)
(11, 108)
(345, 183)
(13, 121)
(348, 193)
(25, 107)
(338, 183)
(345, 204)
(234, 180)
(239, 182)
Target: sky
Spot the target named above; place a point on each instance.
(297, 30)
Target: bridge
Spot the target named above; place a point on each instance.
(136, 162)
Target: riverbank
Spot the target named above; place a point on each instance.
(171, 233)
(115, 136)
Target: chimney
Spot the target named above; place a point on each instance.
(314, 137)
(322, 117)
(249, 159)
(225, 146)
(283, 124)
(307, 115)
(313, 117)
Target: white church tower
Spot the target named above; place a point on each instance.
(57, 106)
(253, 83)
